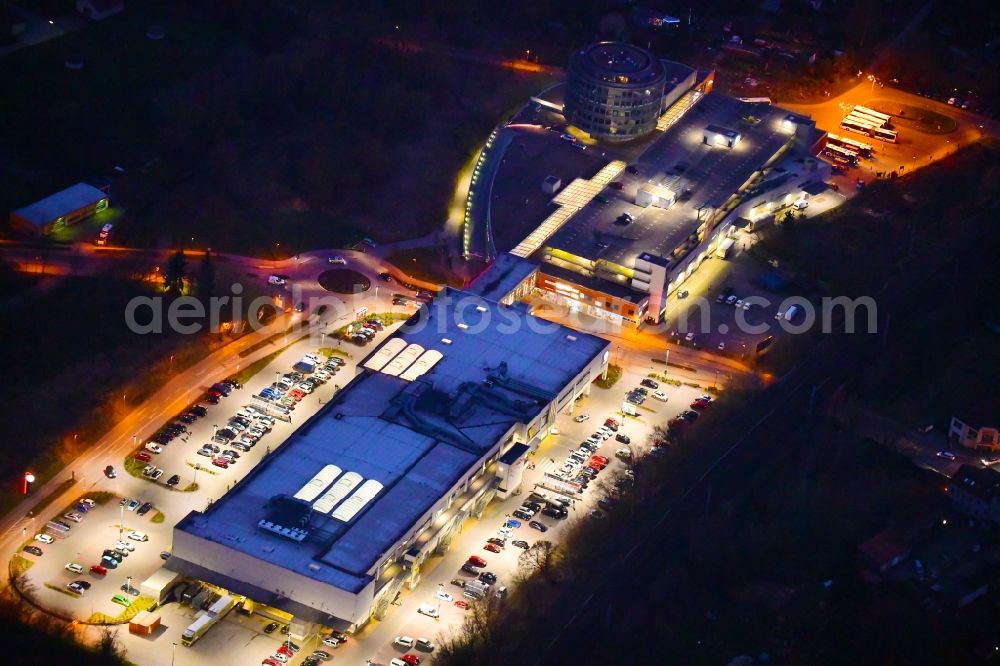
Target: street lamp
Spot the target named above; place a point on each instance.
(29, 478)
(121, 521)
(173, 653)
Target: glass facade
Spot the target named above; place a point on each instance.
(614, 91)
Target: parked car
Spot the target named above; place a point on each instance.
(535, 525)
(492, 547)
(98, 570)
(33, 550)
(109, 472)
(144, 509)
(429, 610)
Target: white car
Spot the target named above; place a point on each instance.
(505, 532)
(404, 641)
(396, 661)
(305, 388)
(706, 397)
(338, 260)
(138, 536)
(660, 395)
(74, 516)
(44, 538)
(153, 447)
(689, 337)
(74, 568)
(279, 657)
(430, 610)
(125, 546)
(581, 418)
(331, 642)
(444, 596)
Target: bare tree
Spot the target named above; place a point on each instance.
(109, 645)
(541, 559)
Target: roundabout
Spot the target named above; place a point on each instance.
(344, 281)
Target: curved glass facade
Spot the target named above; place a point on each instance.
(614, 91)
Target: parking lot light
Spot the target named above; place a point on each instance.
(29, 478)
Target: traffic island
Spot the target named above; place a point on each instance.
(344, 281)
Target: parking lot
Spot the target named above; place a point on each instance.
(98, 529)
(243, 639)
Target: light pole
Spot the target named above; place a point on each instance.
(121, 520)
(173, 653)
(29, 478)
(197, 466)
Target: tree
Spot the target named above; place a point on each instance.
(540, 558)
(176, 269)
(206, 277)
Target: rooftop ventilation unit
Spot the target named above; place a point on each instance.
(291, 533)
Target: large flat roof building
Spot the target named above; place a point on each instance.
(632, 227)
(60, 209)
(328, 527)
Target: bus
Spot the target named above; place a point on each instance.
(852, 125)
(862, 149)
(883, 134)
(874, 122)
(884, 117)
(861, 119)
(841, 155)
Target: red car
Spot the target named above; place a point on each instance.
(611, 421)
(477, 561)
(271, 662)
(601, 459)
(220, 462)
(700, 404)
(99, 570)
(618, 185)
(143, 456)
(285, 650)
(492, 547)
(411, 659)
(464, 605)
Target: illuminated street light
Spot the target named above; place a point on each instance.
(29, 478)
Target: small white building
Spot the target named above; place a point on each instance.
(654, 195)
(551, 184)
(723, 137)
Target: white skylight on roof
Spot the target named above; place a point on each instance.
(318, 483)
(339, 491)
(366, 493)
